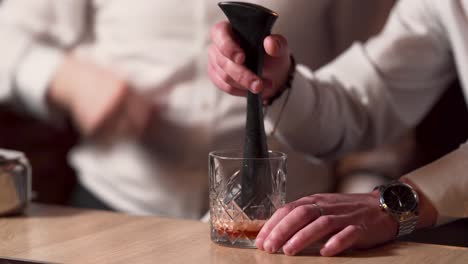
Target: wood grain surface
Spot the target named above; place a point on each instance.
(66, 235)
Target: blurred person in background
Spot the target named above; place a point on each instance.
(370, 94)
(132, 77)
(47, 143)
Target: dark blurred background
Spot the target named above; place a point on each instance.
(46, 148)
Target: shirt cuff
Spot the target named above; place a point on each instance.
(33, 77)
(445, 184)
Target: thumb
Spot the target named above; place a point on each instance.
(276, 46)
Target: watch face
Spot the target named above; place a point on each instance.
(400, 198)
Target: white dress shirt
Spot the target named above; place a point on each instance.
(375, 91)
(160, 48)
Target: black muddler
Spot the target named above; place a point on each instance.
(251, 24)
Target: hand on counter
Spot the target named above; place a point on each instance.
(347, 220)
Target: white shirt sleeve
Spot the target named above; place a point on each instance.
(35, 36)
(373, 92)
(445, 183)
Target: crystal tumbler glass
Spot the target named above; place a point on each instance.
(235, 221)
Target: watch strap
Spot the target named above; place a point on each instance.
(407, 226)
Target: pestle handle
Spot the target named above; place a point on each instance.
(251, 24)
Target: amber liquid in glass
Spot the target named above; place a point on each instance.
(247, 229)
(233, 234)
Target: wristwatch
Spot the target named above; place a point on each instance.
(401, 201)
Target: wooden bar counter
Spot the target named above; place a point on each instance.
(66, 235)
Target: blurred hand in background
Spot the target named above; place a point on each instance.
(100, 102)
